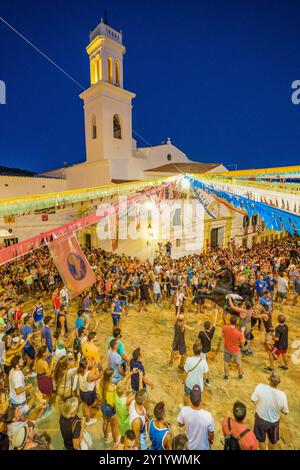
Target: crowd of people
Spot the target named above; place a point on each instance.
(50, 360)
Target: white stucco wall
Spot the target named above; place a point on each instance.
(30, 225)
(88, 174)
(14, 186)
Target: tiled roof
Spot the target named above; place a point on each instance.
(185, 168)
(6, 171)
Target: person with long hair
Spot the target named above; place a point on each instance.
(71, 426)
(61, 320)
(88, 375)
(108, 406)
(64, 376)
(44, 374)
(60, 344)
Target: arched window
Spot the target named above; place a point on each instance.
(93, 72)
(110, 69)
(117, 127)
(117, 73)
(93, 127)
(98, 68)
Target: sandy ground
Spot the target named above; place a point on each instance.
(152, 331)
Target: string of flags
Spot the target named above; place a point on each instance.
(203, 198)
(273, 217)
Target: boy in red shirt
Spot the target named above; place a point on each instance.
(18, 315)
(237, 429)
(233, 341)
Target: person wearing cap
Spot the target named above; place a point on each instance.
(198, 422)
(20, 436)
(270, 403)
(24, 438)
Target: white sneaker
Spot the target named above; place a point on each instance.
(91, 422)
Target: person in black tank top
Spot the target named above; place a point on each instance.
(179, 339)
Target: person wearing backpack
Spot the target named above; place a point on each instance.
(238, 435)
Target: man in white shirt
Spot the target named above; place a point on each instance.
(282, 288)
(196, 368)
(270, 403)
(157, 269)
(17, 387)
(156, 291)
(64, 295)
(198, 422)
(180, 296)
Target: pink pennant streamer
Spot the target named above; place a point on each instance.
(19, 249)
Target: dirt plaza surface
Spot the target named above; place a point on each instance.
(152, 331)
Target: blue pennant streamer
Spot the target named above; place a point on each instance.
(274, 218)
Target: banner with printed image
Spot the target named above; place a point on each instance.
(72, 264)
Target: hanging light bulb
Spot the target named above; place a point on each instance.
(149, 204)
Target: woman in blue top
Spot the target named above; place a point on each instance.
(116, 310)
(159, 430)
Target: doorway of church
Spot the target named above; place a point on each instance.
(214, 237)
(88, 241)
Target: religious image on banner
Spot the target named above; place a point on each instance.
(72, 264)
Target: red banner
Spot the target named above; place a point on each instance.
(72, 264)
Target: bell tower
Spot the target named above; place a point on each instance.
(107, 106)
(106, 55)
